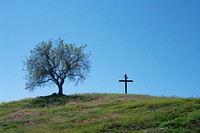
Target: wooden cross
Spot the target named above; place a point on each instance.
(126, 80)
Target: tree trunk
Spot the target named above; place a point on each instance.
(60, 90)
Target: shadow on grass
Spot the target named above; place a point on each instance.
(55, 100)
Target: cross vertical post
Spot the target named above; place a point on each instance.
(125, 81)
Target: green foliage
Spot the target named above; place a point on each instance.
(101, 113)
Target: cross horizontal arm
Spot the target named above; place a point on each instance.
(125, 80)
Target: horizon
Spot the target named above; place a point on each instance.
(161, 96)
(156, 43)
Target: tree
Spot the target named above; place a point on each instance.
(54, 62)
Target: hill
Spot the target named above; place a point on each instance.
(101, 113)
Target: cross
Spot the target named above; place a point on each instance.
(125, 82)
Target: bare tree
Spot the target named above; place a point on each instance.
(54, 62)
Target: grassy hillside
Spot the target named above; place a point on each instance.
(101, 113)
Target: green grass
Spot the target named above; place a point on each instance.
(99, 113)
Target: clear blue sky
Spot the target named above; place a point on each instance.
(157, 43)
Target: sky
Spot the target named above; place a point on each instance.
(156, 43)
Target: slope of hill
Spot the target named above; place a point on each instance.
(101, 113)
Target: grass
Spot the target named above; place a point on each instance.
(101, 113)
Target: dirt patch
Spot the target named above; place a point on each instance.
(96, 119)
(57, 119)
(20, 115)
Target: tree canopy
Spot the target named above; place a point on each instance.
(54, 62)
